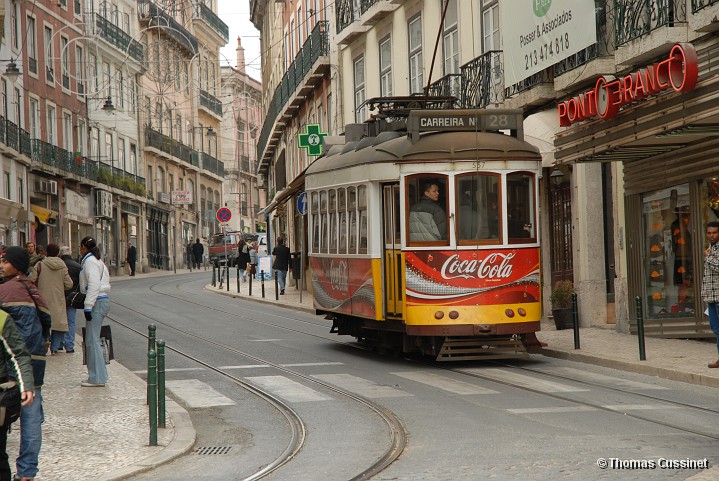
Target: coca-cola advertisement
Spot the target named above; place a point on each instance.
(472, 277)
(343, 285)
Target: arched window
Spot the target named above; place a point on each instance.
(161, 180)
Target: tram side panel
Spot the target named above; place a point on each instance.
(348, 286)
(472, 292)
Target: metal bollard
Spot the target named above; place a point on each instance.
(249, 275)
(277, 287)
(152, 390)
(151, 330)
(262, 282)
(214, 277)
(575, 320)
(238, 277)
(227, 276)
(640, 329)
(161, 384)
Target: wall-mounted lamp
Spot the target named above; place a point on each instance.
(108, 107)
(211, 132)
(11, 71)
(557, 176)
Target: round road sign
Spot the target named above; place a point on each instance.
(223, 214)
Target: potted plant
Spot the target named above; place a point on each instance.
(561, 300)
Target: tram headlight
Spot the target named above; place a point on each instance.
(453, 314)
(509, 313)
(438, 315)
(522, 311)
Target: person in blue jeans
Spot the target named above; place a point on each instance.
(95, 284)
(710, 281)
(281, 262)
(21, 299)
(73, 268)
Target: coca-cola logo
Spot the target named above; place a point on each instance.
(494, 266)
(339, 278)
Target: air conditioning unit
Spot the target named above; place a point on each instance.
(46, 187)
(104, 204)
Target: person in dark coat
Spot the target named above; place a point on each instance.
(132, 258)
(281, 256)
(197, 251)
(73, 268)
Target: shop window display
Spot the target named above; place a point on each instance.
(669, 276)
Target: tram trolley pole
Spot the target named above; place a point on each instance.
(161, 383)
(152, 390)
(640, 329)
(575, 320)
(262, 282)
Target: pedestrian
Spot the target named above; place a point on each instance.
(21, 299)
(34, 254)
(253, 259)
(197, 251)
(281, 262)
(13, 353)
(95, 284)
(131, 258)
(243, 258)
(710, 282)
(73, 269)
(52, 280)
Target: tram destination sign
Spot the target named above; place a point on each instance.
(490, 120)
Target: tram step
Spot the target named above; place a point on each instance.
(481, 348)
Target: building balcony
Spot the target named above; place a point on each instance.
(704, 16)
(643, 30)
(533, 91)
(372, 11)
(211, 164)
(152, 15)
(206, 15)
(211, 103)
(167, 145)
(118, 38)
(307, 70)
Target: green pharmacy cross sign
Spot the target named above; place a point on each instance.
(312, 139)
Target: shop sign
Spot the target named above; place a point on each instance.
(77, 204)
(163, 197)
(678, 72)
(182, 197)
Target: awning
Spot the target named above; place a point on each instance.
(44, 216)
(281, 197)
(540, 130)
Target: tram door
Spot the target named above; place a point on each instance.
(393, 278)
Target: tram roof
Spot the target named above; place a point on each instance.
(446, 146)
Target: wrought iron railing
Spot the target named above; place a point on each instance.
(168, 145)
(701, 4)
(11, 135)
(213, 165)
(317, 45)
(636, 18)
(367, 4)
(25, 147)
(214, 21)
(483, 80)
(545, 76)
(118, 38)
(346, 12)
(149, 12)
(604, 17)
(211, 102)
(448, 86)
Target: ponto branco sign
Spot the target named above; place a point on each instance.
(543, 32)
(181, 197)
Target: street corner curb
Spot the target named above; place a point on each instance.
(647, 369)
(182, 440)
(259, 300)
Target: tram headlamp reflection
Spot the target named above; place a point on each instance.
(522, 312)
(453, 314)
(509, 313)
(438, 315)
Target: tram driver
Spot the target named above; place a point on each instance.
(427, 219)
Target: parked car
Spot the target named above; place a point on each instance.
(224, 247)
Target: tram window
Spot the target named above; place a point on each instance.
(352, 214)
(521, 213)
(427, 198)
(477, 211)
(323, 219)
(342, 208)
(332, 210)
(315, 212)
(362, 212)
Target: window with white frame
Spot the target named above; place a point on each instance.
(15, 24)
(109, 148)
(49, 55)
(133, 159)
(4, 99)
(490, 28)
(107, 79)
(450, 39)
(415, 55)
(79, 70)
(385, 67)
(34, 118)
(359, 88)
(121, 154)
(65, 63)
(120, 89)
(51, 125)
(31, 45)
(18, 105)
(67, 131)
(95, 143)
(81, 138)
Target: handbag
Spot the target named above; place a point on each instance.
(108, 352)
(10, 403)
(75, 299)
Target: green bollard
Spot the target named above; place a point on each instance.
(277, 287)
(214, 276)
(640, 330)
(238, 277)
(575, 320)
(161, 384)
(250, 286)
(152, 390)
(262, 281)
(227, 276)
(151, 331)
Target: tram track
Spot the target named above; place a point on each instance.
(397, 433)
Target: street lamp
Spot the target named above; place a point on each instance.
(11, 71)
(108, 107)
